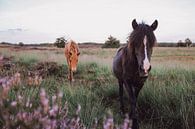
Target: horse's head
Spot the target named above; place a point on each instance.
(143, 39)
(74, 55)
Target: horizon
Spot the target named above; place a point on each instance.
(86, 42)
(92, 20)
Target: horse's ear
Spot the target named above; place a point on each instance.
(134, 24)
(154, 25)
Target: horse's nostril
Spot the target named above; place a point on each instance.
(144, 71)
(141, 67)
(149, 68)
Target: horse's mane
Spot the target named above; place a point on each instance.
(73, 46)
(136, 37)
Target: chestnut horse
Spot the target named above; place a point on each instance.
(72, 54)
(131, 65)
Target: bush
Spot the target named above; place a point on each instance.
(188, 42)
(60, 42)
(111, 43)
(21, 44)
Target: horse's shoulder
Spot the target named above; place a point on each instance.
(121, 52)
(119, 49)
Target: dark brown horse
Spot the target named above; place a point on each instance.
(131, 64)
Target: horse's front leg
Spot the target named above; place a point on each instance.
(70, 75)
(120, 82)
(133, 100)
(72, 78)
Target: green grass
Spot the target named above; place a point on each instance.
(166, 101)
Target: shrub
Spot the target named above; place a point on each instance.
(21, 44)
(111, 43)
(60, 42)
(188, 42)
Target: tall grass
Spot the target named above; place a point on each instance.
(166, 101)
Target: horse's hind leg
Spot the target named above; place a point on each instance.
(120, 82)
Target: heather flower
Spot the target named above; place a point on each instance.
(28, 103)
(60, 94)
(30, 81)
(20, 98)
(44, 101)
(17, 78)
(54, 99)
(14, 103)
(43, 116)
(109, 123)
(6, 89)
(127, 123)
(78, 109)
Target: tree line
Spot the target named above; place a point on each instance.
(112, 42)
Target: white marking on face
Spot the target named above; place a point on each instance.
(146, 61)
(74, 69)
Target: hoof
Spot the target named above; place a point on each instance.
(122, 114)
(71, 80)
(135, 124)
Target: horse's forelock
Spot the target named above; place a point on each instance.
(137, 36)
(74, 46)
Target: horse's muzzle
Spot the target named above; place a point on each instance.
(74, 69)
(143, 72)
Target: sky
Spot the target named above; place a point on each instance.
(32, 21)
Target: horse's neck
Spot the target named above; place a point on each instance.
(130, 55)
(129, 63)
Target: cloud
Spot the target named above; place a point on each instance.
(26, 36)
(95, 20)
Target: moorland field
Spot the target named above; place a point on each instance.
(167, 100)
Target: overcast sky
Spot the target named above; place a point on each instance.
(95, 20)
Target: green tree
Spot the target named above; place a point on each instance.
(60, 42)
(21, 44)
(111, 42)
(188, 42)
